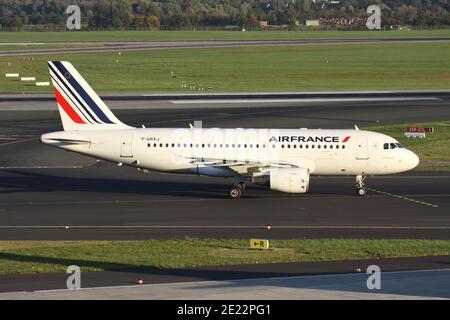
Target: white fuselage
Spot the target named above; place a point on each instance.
(196, 150)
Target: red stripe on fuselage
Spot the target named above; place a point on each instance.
(67, 108)
(346, 139)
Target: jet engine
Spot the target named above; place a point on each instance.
(290, 180)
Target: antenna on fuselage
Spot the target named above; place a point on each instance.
(191, 126)
(356, 128)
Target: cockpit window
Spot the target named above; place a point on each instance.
(392, 145)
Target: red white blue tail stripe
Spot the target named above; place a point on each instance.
(76, 98)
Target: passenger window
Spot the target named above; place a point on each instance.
(343, 147)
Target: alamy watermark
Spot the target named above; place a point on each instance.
(374, 280)
(74, 20)
(74, 280)
(374, 20)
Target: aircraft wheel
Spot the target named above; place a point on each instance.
(235, 192)
(361, 192)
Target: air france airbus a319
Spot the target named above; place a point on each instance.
(283, 159)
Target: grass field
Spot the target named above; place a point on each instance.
(436, 146)
(432, 168)
(55, 256)
(280, 68)
(213, 35)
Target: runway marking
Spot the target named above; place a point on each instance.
(46, 167)
(10, 143)
(429, 195)
(307, 100)
(105, 201)
(404, 198)
(269, 198)
(446, 176)
(68, 227)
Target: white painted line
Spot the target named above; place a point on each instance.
(404, 198)
(45, 167)
(21, 43)
(17, 141)
(224, 227)
(11, 75)
(306, 93)
(308, 100)
(429, 195)
(386, 177)
(28, 78)
(43, 84)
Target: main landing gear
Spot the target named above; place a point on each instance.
(360, 186)
(237, 190)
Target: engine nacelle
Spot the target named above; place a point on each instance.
(290, 180)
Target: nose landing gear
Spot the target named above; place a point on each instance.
(360, 186)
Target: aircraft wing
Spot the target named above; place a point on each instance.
(243, 167)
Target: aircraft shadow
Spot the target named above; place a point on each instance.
(27, 181)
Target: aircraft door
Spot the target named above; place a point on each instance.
(126, 146)
(362, 148)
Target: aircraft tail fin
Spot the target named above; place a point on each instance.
(79, 106)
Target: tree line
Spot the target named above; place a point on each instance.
(188, 14)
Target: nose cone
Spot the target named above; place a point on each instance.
(412, 160)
